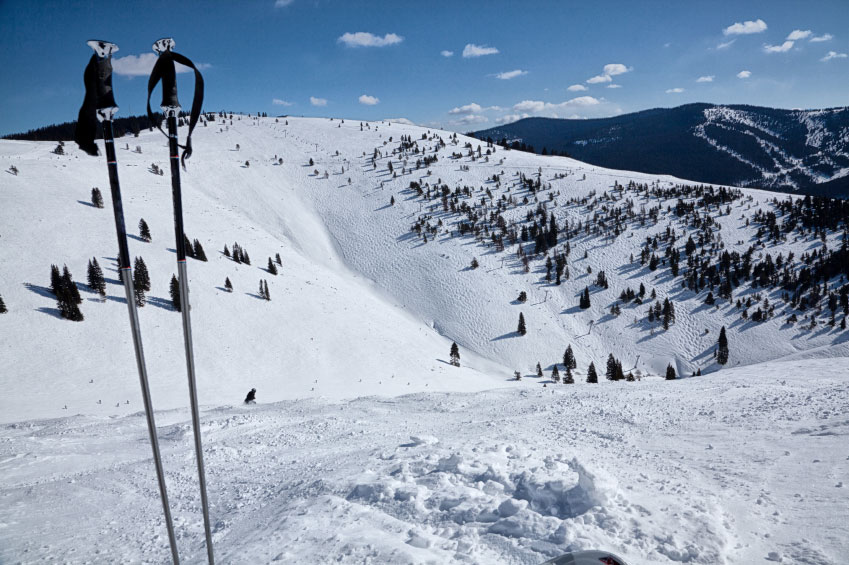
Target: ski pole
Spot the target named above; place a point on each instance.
(165, 71)
(100, 103)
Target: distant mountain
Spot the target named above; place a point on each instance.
(800, 151)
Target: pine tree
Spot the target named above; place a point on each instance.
(584, 301)
(455, 355)
(228, 285)
(144, 230)
(517, 375)
(610, 371)
(722, 348)
(96, 197)
(138, 290)
(271, 267)
(55, 280)
(539, 369)
(266, 293)
(555, 374)
(670, 372)
(261, 289)
(523, 297)
(568, 379)
(68, 297)
(174, 290)
(592, 376)
(475, 263)
(71, 286)
(141, 278)
(190, 251)
(226, 251)
(3, 309)
(199, 253)
(522, 330)
(668, 313)
(569, 358)
(95, 277)
(277, 258)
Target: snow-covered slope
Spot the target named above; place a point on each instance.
(362, 305)
(744, 466)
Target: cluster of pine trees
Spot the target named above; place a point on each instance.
(239, 254)
(67, 294)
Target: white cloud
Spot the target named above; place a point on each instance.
(834, 55)
(725, 45)
(823, 37)
(318, 101)
(577, 88)
(745, 28)
(279, 102)
(141, 65)
(610, 70)
(798, 34)
(707, 78)
(368, 100)
(446, 53)
(365, 39)
(744, 74)
(674, 90)
(511, 74)
(537, 106)
(614, 86)
(472, 108)
(472, 50)
(473, 119)
(282, 3)
(510, 118)
(783, 48)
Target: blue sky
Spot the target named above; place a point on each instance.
(374, 60)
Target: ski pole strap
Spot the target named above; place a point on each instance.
(99, 97)
(165, 71)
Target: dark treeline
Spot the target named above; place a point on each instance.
(65, 131)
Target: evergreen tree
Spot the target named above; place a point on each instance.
(144, 230)
(190, 251)
(245, 257)
(226, 251)
(261, 289)
(475, 263)
(592, 376)
(584, 301)
(610, 371)
(95, 277)
(138, 290)
(568, 379)
(517, 375)
(228, 285)
(174, 289)
(539, 370)
(455, 355)
(96, 197)
(670, 372)
(555, 374)
(55, 280)
(71, 286)
(709, 300)
(668, 313)
(523, 296)
(265, 291)
(722, 348)
(278, 259)
(569, 358)
(68, 297)
(271, 267)
(141, 278)
(198, 252)
(3, 309)
(522, 329)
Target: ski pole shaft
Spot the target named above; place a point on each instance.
(129, 291)
(187, 323)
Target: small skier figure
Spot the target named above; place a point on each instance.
(251, 397)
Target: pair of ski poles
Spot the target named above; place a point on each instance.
(100, 105)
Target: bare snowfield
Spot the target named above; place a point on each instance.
(367, 446)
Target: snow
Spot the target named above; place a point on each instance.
(741, 467)
(366, 445)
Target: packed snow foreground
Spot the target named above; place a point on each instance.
(366, 445)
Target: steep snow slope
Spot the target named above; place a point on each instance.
(334, 326)
(745, 466)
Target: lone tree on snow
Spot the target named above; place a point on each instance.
(96, 197)
(3, 309)
(455, 355)
(198, 252)
(228, 285)
(584, 301)
(722, 348)
(272, 268)
(144, 230)
(592, 376)
(522, 330)
(670, 372)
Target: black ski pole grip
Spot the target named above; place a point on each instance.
(105, 104)
(165, 48)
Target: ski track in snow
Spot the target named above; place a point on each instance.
(728, 469)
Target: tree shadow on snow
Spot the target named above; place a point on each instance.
(51, 311)
(40, 290)
(161, 303)
(84, 203)
(505, 336)
(255, 295)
